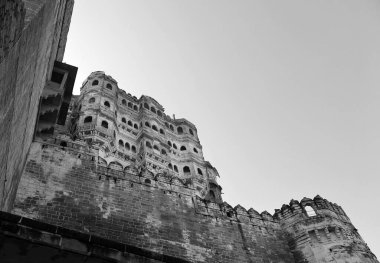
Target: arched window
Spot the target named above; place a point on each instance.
(180, 130)
(123, 120)
(175, 168)
(107, 104)
(121, 143)
(127, 146)
(156, 148)
(152, 109)
(171, 127)
(174, 146)
(186, 169)
(310, 211)
(195, 150)
(105, 124)
(135, 108)
(95, 82)
(135, 126)
(162, 131)
(159, 113)
(130, 105)
(123, 101)
(148, 144)
(130, 123)
(146, 106)
(133, 148)
(170, 166)
(167, 125)
(147, 124)
(191, 132)
(199, 171)
(91, 100)
(163, 152)
(88, 119)
(154, 127)
(169, 143)
(109, 86)
(183, 148)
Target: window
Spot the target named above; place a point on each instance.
(135, 126)
(123, 101)
(127, 146)
(152, 109)
(171, 127)
(105, 124)
(180, 130)
(163, 152)
(174, 146)
(123, 120)
(159, 113)
(133, 148)
(95, 82)
(156, 148)
(199, 171)
(135, 108)
(154, 127)
(147, 124)
(183, 148)
(88, 119)
(195, 150)
(91, 100)
(186, 169)
(146, 106)
(130, 123)
(191, 132)
(121, 143)
(109, 86)
(130, 105)
(169, 143)
(107, 104)
(148, 144)
(170, 166)
(167, 125)
(310, 211)
(175, 168)
(162, 131)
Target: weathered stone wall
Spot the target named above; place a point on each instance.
(67, 187)
(23, 73)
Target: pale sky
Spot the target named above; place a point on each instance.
(285, 94)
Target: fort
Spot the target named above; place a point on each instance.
(108, 177)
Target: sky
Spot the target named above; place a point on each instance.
(284, 94)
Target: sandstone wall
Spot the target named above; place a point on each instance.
(65, 186)
(26, 64)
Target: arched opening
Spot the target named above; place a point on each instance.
(171, 127)
(123, 120)
(310, 211)
(91, 100)
(107, 104)
(156, 147)
(123, 101)
(147, 124)
(135, 108)
(133, 149)
(195, 150)
(167, 125)
(109, 86)
(163, 152)
(130, 123)
(170, 166)
(183, 148)
(135, 126)
(104, 124)
(191, 132)
(95, 82)
(175, 168)
(180, 130)
(121, 143)
(174, 146)
(159, 113)
(169, 143)
(152, 109)
(162, 131)
(146, 106)
(88, 119)
(154, 127)
(127, 146)
(130, 105)
(186, 169)
(199, 171)
(148, 144)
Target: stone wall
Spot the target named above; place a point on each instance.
(66, 186)
(26, 64)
